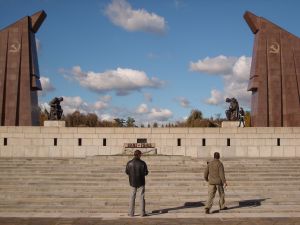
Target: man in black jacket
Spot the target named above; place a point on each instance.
(136, 169)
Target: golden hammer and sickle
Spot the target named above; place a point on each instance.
(274, 47)
(15, 47)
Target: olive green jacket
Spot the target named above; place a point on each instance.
(214, 172)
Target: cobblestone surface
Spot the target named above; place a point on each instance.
(149, 221)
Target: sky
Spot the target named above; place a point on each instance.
(153, 60)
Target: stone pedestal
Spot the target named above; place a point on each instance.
(54, 123)
(230, 124)
(145, 151)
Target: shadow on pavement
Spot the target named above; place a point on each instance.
(185, 206)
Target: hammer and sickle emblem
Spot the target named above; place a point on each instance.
(274, 47)
(15, 47)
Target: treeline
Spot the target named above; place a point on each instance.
(195, 119)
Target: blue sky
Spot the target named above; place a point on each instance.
(152, 60)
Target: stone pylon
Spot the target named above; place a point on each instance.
(19, 72)
(274, 76)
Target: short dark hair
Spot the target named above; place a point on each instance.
(137, 153)
(216, 155)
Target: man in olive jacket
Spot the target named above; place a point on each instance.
(136, 169)
(215, 175)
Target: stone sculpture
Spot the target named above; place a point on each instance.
(19, 72)
(55, 109)
(274, 76)
(232, 113)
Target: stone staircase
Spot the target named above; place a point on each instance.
(97, 186)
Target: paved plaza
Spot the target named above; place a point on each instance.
(150, 221)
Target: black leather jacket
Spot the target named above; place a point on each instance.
(136, 169)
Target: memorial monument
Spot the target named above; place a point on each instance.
(232, 113)
(274, 76)
(19, 72)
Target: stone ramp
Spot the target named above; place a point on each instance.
(98, 187)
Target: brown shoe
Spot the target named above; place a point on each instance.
(225, 208)
(206, 211)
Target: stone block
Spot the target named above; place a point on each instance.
(86, 130)
(195, 130)
(124, 130)
(265, 151)
(253, 151)
(68, 130)
(66, 135)
(50, 130)
(283, 130)
(289, 151)
(67, 151)
(238, 135)
(19, 141)
(6, 151)
(55, 151)
(296, 130)
(192, 151)
(43, 151)
(116, 151)
(79, 152)
(66, 142)
(87, 141)
(37, 141)
(271, 142)
(297, 151)
(32, 135)
(155, 136)
(211, 130)
(105, 130)
(241, 151)
(85, 135)
(104, 151)
(31, 151)
(29, 129)
(18, 151)
(54, 123)
(204, 152)
(265, 130)
(228, 130)
(247, 130)
(178, 150)
(142, 130)
(3, 129)
(212, 141)
(228, 152)
(14, 129)
(178, 130)
(229, 124)
(157, 130)
(193, 142)
(277, 151)
(134, 136)
(92, 150)
(264, 135)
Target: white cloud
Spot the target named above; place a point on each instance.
(46, 86)
(143, 108)
(72, 104)
(122, 80)
(218, 65)
(157, 114)
(38, 44)
(216, 97)
(185, 103)
(235, 74)
(121, 14)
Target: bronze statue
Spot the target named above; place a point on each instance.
(274, 76)
(56, 111)
(19, 72)
(232, 113)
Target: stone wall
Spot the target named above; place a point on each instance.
(197, 142)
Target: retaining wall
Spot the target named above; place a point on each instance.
(196, 142)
